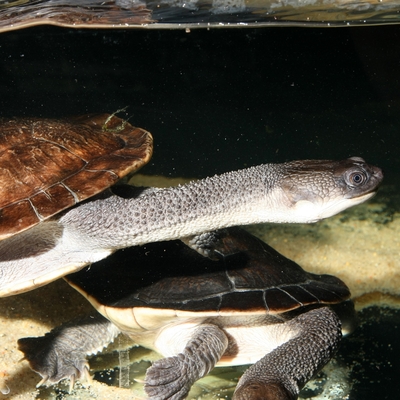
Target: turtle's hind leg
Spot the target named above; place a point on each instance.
(171, 378)
(281, 374)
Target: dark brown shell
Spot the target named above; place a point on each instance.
(47, 165)
(251, 278)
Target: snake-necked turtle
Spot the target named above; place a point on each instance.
(297, 191)
(253, 305)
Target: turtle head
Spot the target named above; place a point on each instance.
(262, 391)
(318, 189)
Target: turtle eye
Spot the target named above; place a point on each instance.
(357, 178)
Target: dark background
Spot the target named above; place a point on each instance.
(219, 99)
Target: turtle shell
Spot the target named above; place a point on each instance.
(47, 165)
(250, 278)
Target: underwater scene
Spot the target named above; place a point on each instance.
(218, 100)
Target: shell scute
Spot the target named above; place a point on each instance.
(281, 301)
(211, 303)
(49, 165)
(49, 202)
(25, 170)
(329, 291)
(298, 292)
(251, 300)
(86, 183)
(15, 217)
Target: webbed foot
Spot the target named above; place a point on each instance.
(52, 362)
(168, 378)
(61, 353)
(171, 378)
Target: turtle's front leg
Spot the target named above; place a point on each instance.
(171, 378)
(207, 244)
(281, 374)
(61, 353)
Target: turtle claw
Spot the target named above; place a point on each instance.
(54, 362)
(86, 372)
(43, 381)
(83, 375)
(71, 383)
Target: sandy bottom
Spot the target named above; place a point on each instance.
(361, 246)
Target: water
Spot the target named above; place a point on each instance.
(178, 14)
(225, 99)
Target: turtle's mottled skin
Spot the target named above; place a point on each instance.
(251, 306)
(295, 362)
(298, 191)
